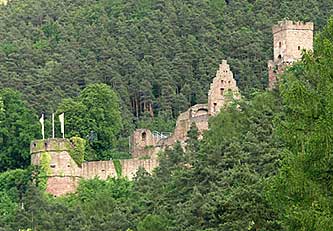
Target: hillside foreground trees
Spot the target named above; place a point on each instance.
(302, 191)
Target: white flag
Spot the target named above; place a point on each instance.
(41, 120)
(62, 123)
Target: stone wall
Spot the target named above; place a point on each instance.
(222, 90)
(197, 114)
(63, 174)
(62, 171)
(142, 143)
(289, 40)
(105, 169)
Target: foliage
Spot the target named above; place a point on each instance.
(118, 167)
(152, 222)
(44, 170)
(94, 115)
(77, 149)
(13, 185)
(301, 192)
(18, 127)
(159, 56)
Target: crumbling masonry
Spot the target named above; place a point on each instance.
(289, 40)
(63, 174)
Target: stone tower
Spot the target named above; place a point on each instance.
(142, 144)
(289, 40)
(222, 90)
(60, 171)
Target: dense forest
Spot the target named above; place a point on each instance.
(114, 65)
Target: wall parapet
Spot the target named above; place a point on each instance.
(291, 25)
(49, 145)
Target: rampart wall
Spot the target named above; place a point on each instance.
(63, 174)
(105, 169)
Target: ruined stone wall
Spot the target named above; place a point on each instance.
(100, 169)
(130, 167)
(62, 171)
(142, 143)
(105, 169)
(197, 114)
(63, 174)
(289, 40)
(222, 90)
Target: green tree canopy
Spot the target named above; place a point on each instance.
(95, 116)
(18, 127)
(302, 191)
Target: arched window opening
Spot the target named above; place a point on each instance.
(222, 91)
(143, 136)
(280, 44)
(299, 48)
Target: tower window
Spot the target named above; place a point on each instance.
(222, 91)
(214, 107)
(279, 57)
(280, 44)
(221, 81)
(299, 48)
(143, 136)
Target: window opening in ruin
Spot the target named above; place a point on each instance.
(279, 57)
(222, 91)
(229, 81)
(214, 109)
(143, 136)
(52, 165)
(221, 81)
(280, 44)
(45, 144)
(35, 145)
(299, 48)
(68, 166)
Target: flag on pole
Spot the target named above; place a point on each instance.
(62, 122)
(41, 120)
(53, 135)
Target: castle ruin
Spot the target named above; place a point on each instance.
(63, 173)
(289, 40)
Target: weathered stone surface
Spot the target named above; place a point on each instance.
(142, 143)
(223, 89)
(64, 174)
(289, 40)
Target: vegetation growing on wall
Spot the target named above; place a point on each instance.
(118, 167)
(44, 169)
(162, 54)
(77, 149)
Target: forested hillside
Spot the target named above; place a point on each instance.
(159, 56)
(264, 164)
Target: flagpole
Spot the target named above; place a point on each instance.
(62, 123)
(53, 125)
(41, 120)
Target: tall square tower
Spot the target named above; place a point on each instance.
(289, 40)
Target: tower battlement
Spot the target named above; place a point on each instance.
(291, 25)
(290, 39)
(49, 145)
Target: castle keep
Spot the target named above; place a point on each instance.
(289, 40)
(62, 173)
